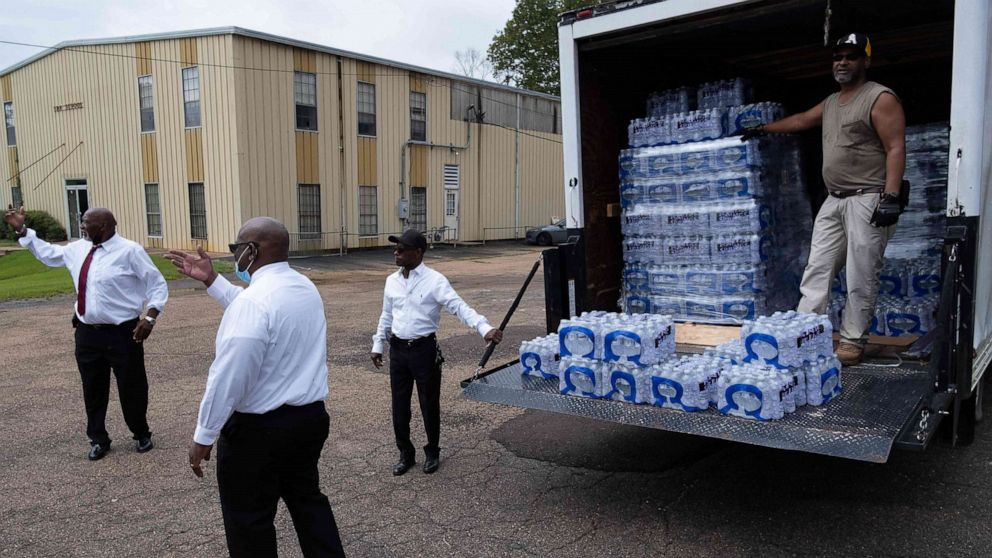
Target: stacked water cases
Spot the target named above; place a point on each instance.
(910, 278)
(710, 223)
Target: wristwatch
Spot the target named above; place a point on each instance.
(150, 320)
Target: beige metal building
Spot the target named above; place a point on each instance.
(186, 135)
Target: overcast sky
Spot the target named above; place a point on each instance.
(421, 32)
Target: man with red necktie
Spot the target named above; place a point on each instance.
(115, 280)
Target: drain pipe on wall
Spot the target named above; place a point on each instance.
(452, 147)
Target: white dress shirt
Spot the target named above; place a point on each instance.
(121, 280)
(411, 306)
(271, 348)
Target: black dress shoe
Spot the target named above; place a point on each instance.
(144, 444)
(403, 466)
(97, 451)
(432, 463)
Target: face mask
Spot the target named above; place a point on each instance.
(243, 273)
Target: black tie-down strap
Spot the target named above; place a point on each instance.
(506, 320)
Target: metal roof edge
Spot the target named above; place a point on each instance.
(250, 33)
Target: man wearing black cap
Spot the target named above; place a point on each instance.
(864, 156)
(411, 310)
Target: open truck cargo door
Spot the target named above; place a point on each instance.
(937, 57)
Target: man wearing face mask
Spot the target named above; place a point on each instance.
(864, 156)
(411, 312)
(264, 400)
(115, 280)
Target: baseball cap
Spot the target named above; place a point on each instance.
(410, 237)
(857, 41)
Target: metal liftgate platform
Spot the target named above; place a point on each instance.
(876, 406)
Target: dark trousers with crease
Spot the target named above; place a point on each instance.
(261, 458)
(419, 364)
(98, 351)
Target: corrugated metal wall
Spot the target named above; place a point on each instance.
(248, 153)
(102, 142)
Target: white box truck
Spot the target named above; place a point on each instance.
(934, 54)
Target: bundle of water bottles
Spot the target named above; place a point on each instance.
(781, 362)
(711, 111)
(907, 299)
(710, 227)
(910, 279)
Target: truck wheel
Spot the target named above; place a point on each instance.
(544, 239)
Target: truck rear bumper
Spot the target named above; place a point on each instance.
(862, 423)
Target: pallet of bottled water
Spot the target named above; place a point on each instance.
(921, 227)
(539, 356)
(719, 309)
(893, 316)
(727, 155)
(907, 298)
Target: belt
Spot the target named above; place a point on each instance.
(858, 192)
(76, 322)
(410, 343)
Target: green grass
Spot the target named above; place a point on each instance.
(7, 242)
(22, 276)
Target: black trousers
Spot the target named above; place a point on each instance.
(261, 458)
(100, 349)
(418, 363)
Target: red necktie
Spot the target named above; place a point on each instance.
(81, 291)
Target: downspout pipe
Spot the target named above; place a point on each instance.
(452, 147)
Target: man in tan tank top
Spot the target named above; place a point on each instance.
(864, 155)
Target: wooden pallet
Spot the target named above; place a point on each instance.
(706, 335)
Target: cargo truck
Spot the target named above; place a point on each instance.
(935, 55)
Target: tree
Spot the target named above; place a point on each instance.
(525, 52)
(473, 63)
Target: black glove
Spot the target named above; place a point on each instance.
(887, 212)
(752, 132)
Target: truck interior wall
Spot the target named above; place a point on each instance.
(781, 50)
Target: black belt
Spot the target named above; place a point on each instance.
(410, 343)
(76, 322)
(858, 192)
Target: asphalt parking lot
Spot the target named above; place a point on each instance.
(511, 482)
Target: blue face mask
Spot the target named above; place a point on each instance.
(243, 273)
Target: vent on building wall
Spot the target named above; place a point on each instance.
(451, 177)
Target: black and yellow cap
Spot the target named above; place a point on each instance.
(858, 41)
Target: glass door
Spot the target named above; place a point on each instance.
(77, 202)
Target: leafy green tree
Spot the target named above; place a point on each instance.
(525, 52)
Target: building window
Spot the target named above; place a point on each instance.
(8, 120)
(366, 109)
(16, 197)
(305, 93)
(146, 104)
(197, 211)
(418, 208)
(191, 96)
(309, 202)
(368, 211)
(418, 116)
(450, 203)
(153, 210)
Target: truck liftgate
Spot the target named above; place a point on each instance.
(863, 423)
(882, 406)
